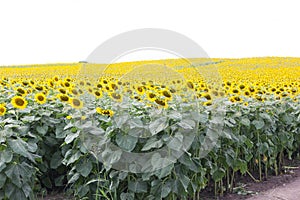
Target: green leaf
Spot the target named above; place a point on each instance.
(74, 178)
(126, 142)
(56, 160)
(245, 122)
(18, 194)
(259, 124)
(165, 190)
(42, 129)
(84, 167)
(26, 188)
(2, 180)
(110, 157)
(187, 124)
(20, 147)
(6, 156)
(14, 174)
(9, 190)
(127, 196)
(163, 172)
(70, 137)
(59, 181)
(218, 174)
(158, 125)
(152, 143)
(121, 120)
(74, 158)
(137, 186)
(176, 142)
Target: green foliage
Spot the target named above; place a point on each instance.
(39, 148)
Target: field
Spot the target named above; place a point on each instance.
(188, 125)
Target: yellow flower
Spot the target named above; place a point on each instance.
(76, 103)
(69, 117)
(108, 112)
(116, 96)
(40, 98)
(104, 112)
(99, 110)
(63, 97)
(2, 109)
(19, 102)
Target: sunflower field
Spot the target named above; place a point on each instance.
(241, 117)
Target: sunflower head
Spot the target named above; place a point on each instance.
(19, 102)
(2, 109)
(63, 97)
(40, 98)
(76, 103)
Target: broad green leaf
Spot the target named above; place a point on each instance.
(20, 147)
(56, 160)
(74, 178)
(74, 158)
(245, 122)
(218, 174)
(137, 186)
(42, 129)
(152, 143)
(6, 156)
(187, 124)
(110, 157)
(259, 124)
(2, 180)
(165, 190)
(84, 167)
(158, 125)
(126, 142)
(176, 142)
(127, 196)
(14, 174)
(70, 137)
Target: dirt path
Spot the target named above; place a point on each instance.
(290, 191)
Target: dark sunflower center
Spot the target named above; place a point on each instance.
(20, 90)
(41, 98)
(151, 95)
(166, 94)
(19, 102)
(116, 96)
(64, 98)
(2, 110)
(76, 102)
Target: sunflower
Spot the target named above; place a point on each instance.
(98, 94)
(62, 90)
(207, 103)
(19, 102)
(107, 112)
(151, 96)
(2, 109)
(140, 90)
(99, 110)
(116, 96)
(161, 103)
(190, 84)
(21, 91)
(104, 112)
(63, 97)
(166, 94)
(40, 98)
(76, 103)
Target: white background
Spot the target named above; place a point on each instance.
(40, 31)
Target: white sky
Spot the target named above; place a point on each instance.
(49, 31)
